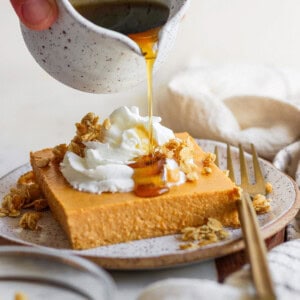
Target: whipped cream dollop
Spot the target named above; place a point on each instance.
(104, 167)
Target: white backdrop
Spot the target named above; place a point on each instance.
(36, 111)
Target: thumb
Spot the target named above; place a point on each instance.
(36, 14)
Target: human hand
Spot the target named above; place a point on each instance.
(36, 14)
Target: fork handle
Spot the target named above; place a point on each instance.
(256, 249)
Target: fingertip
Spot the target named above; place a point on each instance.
(36, 14)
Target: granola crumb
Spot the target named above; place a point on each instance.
(261, 204)
(42, 162)
(20, 296)
(3, 213)
(206, 171)
(211, 232)
(205, 242)
(30, 220)
(14, 214)
(187, 246)
(269, 188)
(12, 202)
(209, 159)
(59, 152)
(214, 224)
(106, 124)
(223, 234)
(26, 178)
(192, 176)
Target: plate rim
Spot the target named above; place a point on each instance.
(72, 261)
(179, 258)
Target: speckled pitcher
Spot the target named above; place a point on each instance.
(94, 59)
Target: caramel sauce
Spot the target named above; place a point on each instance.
(149, 176)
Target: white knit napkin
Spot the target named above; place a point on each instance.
(236, 104)
(287, 160)
(284, 263)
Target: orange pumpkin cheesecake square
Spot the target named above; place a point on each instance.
(92, 220)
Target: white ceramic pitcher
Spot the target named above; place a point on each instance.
(94, 59)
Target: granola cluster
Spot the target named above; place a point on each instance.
(89, 129)
(26, 194)
(211, 232)
(208, 160)
(261, 204)
(30, 220)
(182, 152)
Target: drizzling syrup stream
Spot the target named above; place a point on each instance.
(147, 41)
(149, 169)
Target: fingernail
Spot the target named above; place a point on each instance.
(36, 11)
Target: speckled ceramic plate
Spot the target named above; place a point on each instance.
(22, 270)
(161, 251)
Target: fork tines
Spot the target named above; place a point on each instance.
(255, 246)
(259, 187)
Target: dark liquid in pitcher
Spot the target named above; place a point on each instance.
(126, 17)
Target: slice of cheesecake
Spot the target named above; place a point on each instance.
(92, 220)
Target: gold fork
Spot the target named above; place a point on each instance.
(255, 246)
